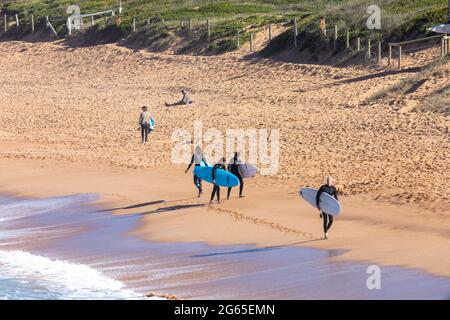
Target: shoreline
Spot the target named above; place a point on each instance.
(108, 263)
(267, 216)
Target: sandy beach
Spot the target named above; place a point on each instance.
(371, 231)
(69, 125)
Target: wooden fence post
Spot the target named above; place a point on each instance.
(270, 32)
(400, 57)
(92, 21)
(335, 38)
(148, 22)
(6, 22)
(208, 28)
(443, 47)
(358, 44)
(69, 26)
(251, 42)
(390, 55)
(369, 48)
(448, 45)
(134, 24)
(379, 52)
(347, 43)
(49, 25)
(47, 21)
(32, 23)
(238, 39)
(295, 32)
(17, 22)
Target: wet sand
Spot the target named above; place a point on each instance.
(68, 229)
(169, 211)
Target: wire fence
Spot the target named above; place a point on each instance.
(371, 48)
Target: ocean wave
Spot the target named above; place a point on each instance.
(59, 279)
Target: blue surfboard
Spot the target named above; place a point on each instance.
(151, 124)
(223, 178)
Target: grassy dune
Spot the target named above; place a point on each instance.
(400, 18)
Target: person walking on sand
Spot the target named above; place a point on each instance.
(197, 159)
(327, 218)
(184, 100)
(216, 188)
(144, 124)
(233, 167)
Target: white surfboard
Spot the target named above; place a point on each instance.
(327, 203)
(247, 170)
(443, 28)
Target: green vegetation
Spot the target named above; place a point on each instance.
(400, 18)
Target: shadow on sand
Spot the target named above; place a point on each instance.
(254, 250)
(363, 78)
(146, 204)
(171, 208)
(134, 206)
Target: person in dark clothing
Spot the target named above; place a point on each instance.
(185, 100)
(216, 188)
(327, 218)
(144, 126)
(233, 167)
(197, 159)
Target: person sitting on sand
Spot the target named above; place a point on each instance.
(185, 100)
(327, 218)
(216, 188)
(197, 159)
(144, 124)
(233, 167)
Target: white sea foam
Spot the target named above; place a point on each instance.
(62, 279)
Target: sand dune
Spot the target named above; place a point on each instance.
(81, 104)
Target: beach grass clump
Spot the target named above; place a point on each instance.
(437, 102)
(433, 70)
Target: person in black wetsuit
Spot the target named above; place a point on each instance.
(327, 218)
(185, 100)
(233, 167)
(216, 188)
(197, 159)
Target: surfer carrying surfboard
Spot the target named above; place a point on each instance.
(233, 167)
(216, 188)
(144, 124)
(331, 190)
(197, 159)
